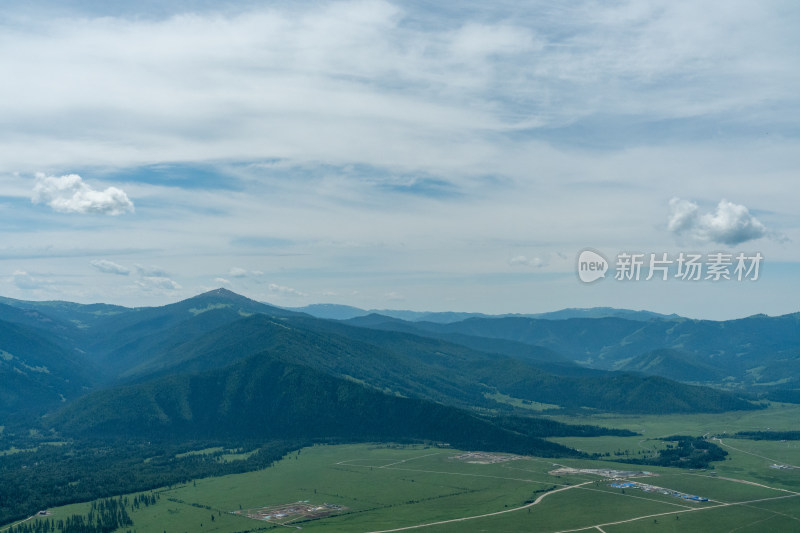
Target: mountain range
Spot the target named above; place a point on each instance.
(757, 353)
(220, 363)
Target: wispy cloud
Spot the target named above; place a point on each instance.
(394, 296)
(69, 194)
(150, 283)
(283, 290)
(27, 282)
(110, 267)
(151, 271)
(521, 260)
(422, 148)
(309, 80)
(237, 272)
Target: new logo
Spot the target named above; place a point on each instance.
(591, 266)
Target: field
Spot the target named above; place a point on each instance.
(371, 488)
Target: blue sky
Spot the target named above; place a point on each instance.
(397, 155)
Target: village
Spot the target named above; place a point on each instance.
(290, 512)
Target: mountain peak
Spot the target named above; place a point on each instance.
(222, 297)
(222, 294)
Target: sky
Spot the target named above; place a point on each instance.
(405, 155)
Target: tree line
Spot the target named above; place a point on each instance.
(104, 516)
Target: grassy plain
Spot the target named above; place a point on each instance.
(385, 487)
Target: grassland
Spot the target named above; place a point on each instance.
(522, 404)
(12, 450)
(386, 487)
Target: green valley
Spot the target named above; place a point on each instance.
(389, 487)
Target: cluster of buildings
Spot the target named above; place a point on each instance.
(294, 510)
(652, 488)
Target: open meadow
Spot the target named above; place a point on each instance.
(390, 487)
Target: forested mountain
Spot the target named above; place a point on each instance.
(416, 366)
(52, 352)
(673, 364)
(122, 340)
(77, 315)
(261, 397)
(37, 373)
(475, 363)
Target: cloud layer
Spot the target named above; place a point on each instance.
(69, 194)
(455, 153)
(369, 81)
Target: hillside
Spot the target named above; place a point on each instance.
(124, 339)
(672, 364)
(37, 373)
(75, 314)
(416, 366)
(264, 398)
(754, 351)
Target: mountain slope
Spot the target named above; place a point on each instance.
(260, 397)
(123, 340)
(543, 358)
(416, 366)
(79, 315)
(672, 364)
(406, 373)
(746, 349)
(36, 372)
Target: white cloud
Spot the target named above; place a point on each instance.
(69, 194)
(237, 272)
(222, 280)
(729, 224)
(394, 296)
(25, 281)
(683, 215)
(110, 267)
(521, 260)
(158, 283)
(285, 291)
(151, 271)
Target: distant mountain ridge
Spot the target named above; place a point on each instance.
(757, 351)
(346, 312)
